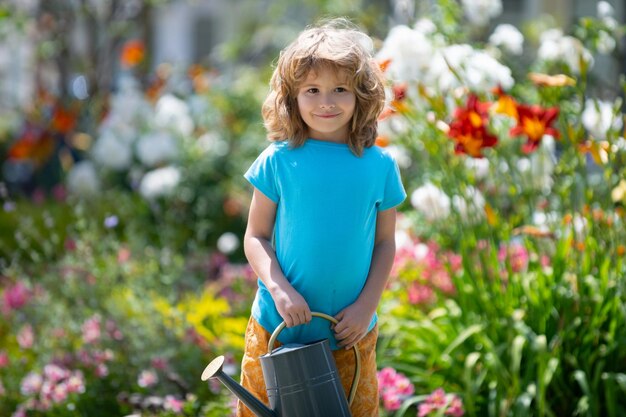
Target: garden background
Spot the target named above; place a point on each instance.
(123, 202)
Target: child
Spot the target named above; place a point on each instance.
(321, 227)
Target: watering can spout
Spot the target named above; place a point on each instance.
(214, 370)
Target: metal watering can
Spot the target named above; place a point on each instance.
(301, 380)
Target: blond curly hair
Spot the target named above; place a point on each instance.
(341, 47)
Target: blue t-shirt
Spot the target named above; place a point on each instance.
(327, 202)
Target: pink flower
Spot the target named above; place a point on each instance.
(91, 329)
(26, 337)
(4, 359)
(147, 378)
(31, 384)
(516, 254)
(59, 393)
(101, 370)
(55, 373)
(424, 409)
(159, 363)
(76, 383)
(439, 401)
(455, 409)
(172, 403)
(15, 297)
(20, 412)
(391, 400)
(420, 294)
(437, 398)
(393, 388)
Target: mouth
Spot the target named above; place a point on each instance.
(327, 116)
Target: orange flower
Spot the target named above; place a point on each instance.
(505, 105)
(469, 129)
(382, 141)
(63, 121)
(133, 53)
(399, 96)
(545, 80)
(384, 65)
(534, 122)
(34, 145)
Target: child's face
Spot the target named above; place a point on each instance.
(326, 104)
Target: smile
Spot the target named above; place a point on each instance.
(327, 116)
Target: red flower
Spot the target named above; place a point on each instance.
(469, 129)
(534, 122)
(133, 53)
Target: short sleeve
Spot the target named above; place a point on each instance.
(262, 174)
(394, 190)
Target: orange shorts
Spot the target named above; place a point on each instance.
(365, 402)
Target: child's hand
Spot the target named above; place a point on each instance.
(292, 307)
(352, 327)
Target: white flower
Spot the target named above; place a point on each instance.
(173, 113)
(431, 202)
(228, 243)
(112, 152)
(156, 148)
(480, 166)
(556, 47)
(159, 182)
(598, 118)
(400, 155)
(509, 38)
(605, 10)
(425, 26)
(83, 180)
(212, 143)
(478, 70)
(606, 43)
(479, 12)
(470, 205)
(410, 53)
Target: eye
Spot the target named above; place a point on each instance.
(341, 89)
(312, 90)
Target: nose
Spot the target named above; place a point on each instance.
(326, 102)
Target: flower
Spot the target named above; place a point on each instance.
(113, 152)
(172, 403)
(558, 48)
(509, 38)
(393, 388)
(26, 337)
(133, 53)
(91, 329)
(534, 122)
(599, 118)
(469, 128)
(147, 378)
(437, 401)
(545, 80)
(156, 148)
(159, 182)
(228, 243)
(15, 297)
(431, 202)
(173, 113)
(82, 180)
(618, 194)
(479, 12)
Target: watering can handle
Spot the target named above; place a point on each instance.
(357, 356)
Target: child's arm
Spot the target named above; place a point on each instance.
(291, 306)
(355, 319)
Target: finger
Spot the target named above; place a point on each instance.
(301, 317)
(308, 315)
